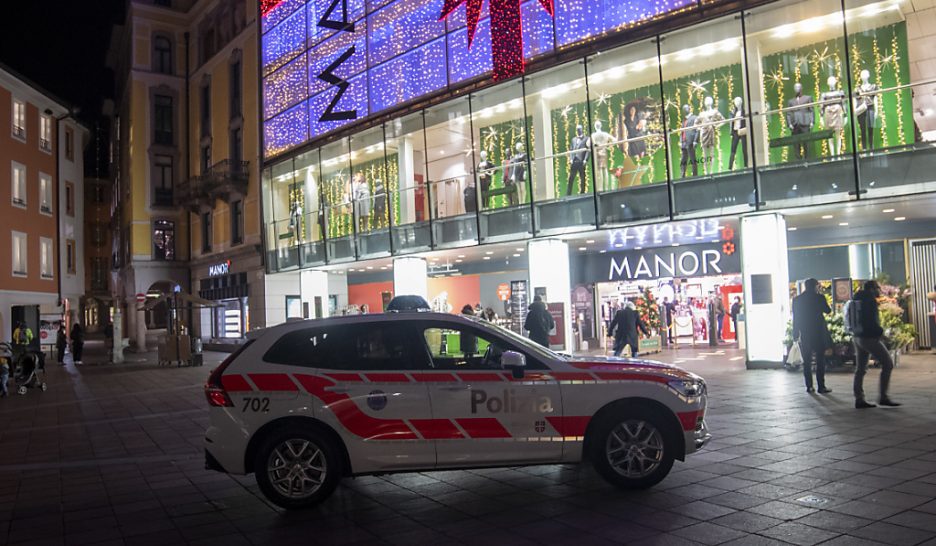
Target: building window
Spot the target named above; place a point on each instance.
(19, 185)
(237, 222)
(162, 181)
(236, 84)
(71, 257)
(19, 119)
(45, 133)
(237, 147)
(19, 254)
(70, 198)
(205, 109)
(206, 231)
(162, 120)
(45, 193)
(164, 240)
(46, 258)
(69, 144)
(205, 159)
(162, 55)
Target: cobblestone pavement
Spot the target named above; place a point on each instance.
(113, 455)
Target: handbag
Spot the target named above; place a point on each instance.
(742, 131)
(795, 358)
(860, 107)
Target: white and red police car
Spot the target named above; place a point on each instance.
(304, 404)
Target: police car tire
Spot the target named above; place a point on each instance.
(330, 452)
(609, 423)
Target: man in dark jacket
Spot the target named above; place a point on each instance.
(77, 339)
(539, 322)
(869, 340)
(809, 327)
(624, 329)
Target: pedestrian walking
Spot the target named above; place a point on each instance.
(5, 360)
(77, 340)
(61, 343)
(868, 337)
(624, 328)
(735, 311)
(809, 328)
(539, 322)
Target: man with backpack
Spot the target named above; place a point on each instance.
(864, 323)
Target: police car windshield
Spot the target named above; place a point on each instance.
(540, 351)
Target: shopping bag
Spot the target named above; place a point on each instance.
(795, 358)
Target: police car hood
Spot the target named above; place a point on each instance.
(629, 365)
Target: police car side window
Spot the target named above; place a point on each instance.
(310, 348)
(384, 346)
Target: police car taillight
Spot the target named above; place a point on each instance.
(214, 389)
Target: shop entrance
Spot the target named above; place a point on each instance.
(681, 305)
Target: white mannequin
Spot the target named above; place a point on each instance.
(517, 176)
(833, 114)
(601, 140)
(295, 221)
(866, 108)
(485, 177)
(710, 120)
(738, 132)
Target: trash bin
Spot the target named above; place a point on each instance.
(198, 359)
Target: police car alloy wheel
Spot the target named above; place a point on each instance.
(633, 448)
(297, 468)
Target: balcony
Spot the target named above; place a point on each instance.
(223, 180)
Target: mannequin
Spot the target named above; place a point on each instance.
(360, 193)
(634, 123)
(485, 177)
(833, 114)
(738, 131)
(601, 140)
(295, 220)
(866, 110)
(709, 120)
(380, 203)
(800, 118)
(688, 138)
(517, 178)
(579, 152)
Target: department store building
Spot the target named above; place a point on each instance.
(591, 151)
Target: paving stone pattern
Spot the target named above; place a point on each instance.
(113, 455)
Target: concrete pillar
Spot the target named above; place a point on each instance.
(410, 277)
(117, 356)
(549, 273)
(313, 286)
(407, 173)
(140, 327)
(766, 288)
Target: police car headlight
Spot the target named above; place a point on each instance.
(688, 388)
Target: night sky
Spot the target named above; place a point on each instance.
(60, 45)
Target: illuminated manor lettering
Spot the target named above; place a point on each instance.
(667, 264)
(509, 402)
(328, 75)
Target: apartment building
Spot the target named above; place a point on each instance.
(185, 167)
(73, 138)
(97, 253)
(29, 276)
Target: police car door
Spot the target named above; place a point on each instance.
(484, 415)
(364, 392)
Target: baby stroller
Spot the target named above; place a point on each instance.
(28, 367)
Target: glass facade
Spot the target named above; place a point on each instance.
(789, 104)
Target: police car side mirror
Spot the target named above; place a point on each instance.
(513, 361)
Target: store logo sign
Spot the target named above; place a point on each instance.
(653, 265)
(217, 270)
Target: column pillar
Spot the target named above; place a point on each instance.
(544, 176)
(766, 288)
(410, 277)
(407, 179)
(549, 273)
(313, 289)
(117, 356)
(139, 331)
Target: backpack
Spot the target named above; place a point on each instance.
(852, 313)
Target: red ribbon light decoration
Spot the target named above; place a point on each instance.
(506, 31)
(266, 6)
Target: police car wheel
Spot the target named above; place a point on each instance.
(297, 468)
(633, 448)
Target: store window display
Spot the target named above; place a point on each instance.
(450, 157)
(408, 198)
(500, 128)
(337, 195)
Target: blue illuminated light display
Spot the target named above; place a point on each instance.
(327, 63)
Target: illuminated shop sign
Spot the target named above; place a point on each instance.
(700, 260)
(687, 232)
(327, 63)
(217, 270)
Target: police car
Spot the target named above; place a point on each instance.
(304, 404)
